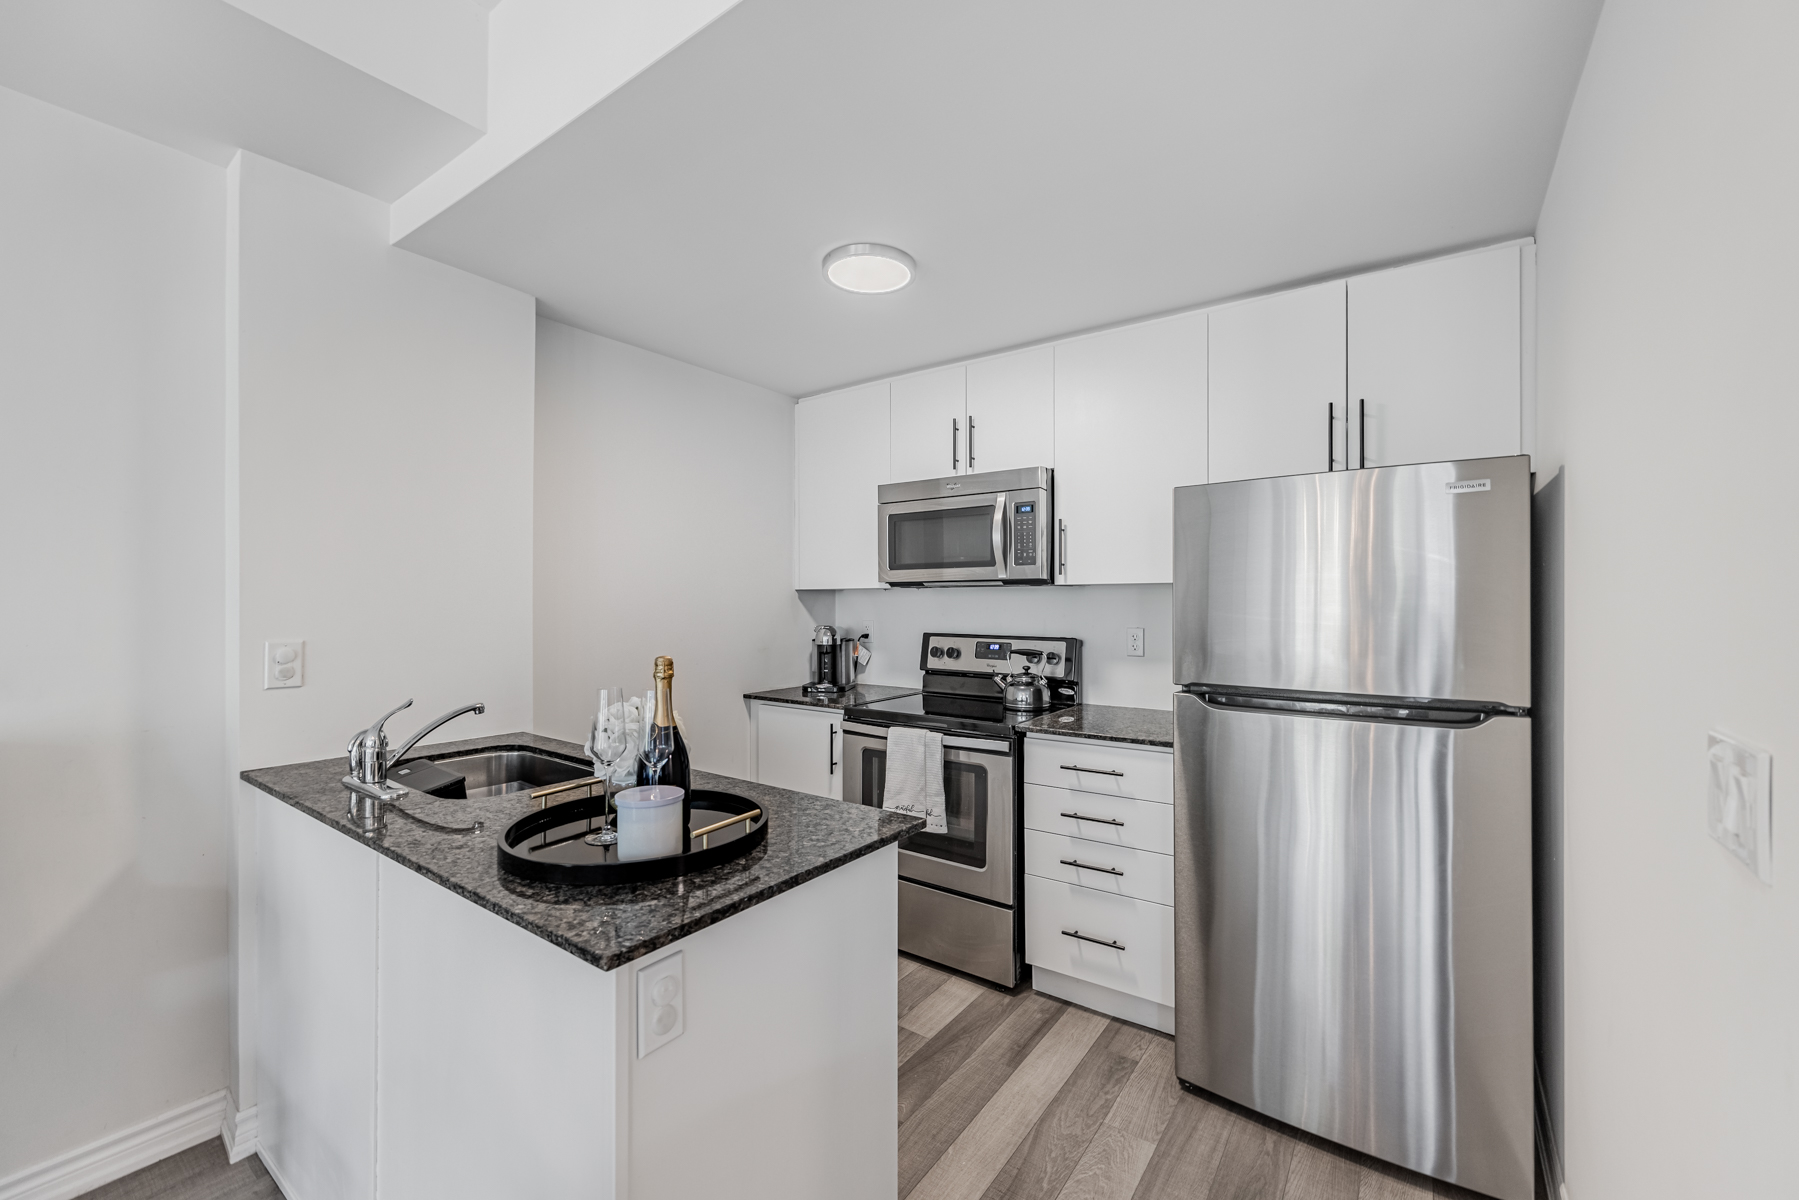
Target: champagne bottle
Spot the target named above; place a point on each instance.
(664, 744)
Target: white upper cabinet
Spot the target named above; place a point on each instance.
(1130, 428)
(1435, 355)
(840, 462)
(1277, 366)
(930, 425)
(1012, 411)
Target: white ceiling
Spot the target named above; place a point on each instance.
(209, 77)
(1054, 165)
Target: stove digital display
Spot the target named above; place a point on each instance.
(999, 650)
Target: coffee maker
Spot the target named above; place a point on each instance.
(836, 661)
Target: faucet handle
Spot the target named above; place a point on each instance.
(368, 748)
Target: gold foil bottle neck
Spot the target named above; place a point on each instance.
(665, 667)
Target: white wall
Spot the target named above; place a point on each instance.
(384, 404)
(664, 526)
(1098, 615)
(113, 817)
(1668, 254)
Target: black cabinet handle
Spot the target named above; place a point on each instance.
(1362, 431)
(832, 752)
(971, 441)
(955, 445)
(1075, 862)
(1095, 820)
(1330, 436)
(1091, 770)
(1075, 933)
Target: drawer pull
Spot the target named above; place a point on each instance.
(1075, 862)
(1091, 770)
(1075, 933)
(1095, 820)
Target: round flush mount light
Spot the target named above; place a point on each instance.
(869, 268)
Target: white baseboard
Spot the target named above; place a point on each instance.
(119, 1154)
(269, 1165)
(1122, 1005)
(239, 1133)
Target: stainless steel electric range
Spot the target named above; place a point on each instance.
(961, 892)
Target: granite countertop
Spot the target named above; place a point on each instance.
(1108, 723)
(865, 694)
(607, 926)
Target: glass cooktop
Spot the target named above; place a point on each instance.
(958, 714)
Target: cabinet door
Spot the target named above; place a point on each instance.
(840, 461)
(1434, 353)
(800, 749)
(1276, 367)
(1130, 428)
(930, 427)
(1012, 411)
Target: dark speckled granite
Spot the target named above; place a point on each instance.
(1106, 723)
(607, 926)
(866, 694)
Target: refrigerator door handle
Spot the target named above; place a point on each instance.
(1385, 714)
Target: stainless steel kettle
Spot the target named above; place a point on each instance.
(1025, 692)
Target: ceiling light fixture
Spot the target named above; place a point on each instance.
(869, 268)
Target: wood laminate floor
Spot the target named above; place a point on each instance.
(1018, 1096)
(197, 1174)
(1010, 1096)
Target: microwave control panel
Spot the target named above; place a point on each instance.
(1024, 533)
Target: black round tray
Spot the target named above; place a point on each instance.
(550, 845)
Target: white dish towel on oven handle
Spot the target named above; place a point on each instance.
(915, 775)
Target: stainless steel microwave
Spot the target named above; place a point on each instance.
(969, 530)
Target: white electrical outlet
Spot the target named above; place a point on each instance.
(1739, 799)
(661, 1003)
(1133, 642)
(283, 664)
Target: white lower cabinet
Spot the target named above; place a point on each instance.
(1110, 820)
(1099, 876)
(800, 748)
(1114, 941)
(1140, 874)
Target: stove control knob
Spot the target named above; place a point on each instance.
(936, 651)
(952, 652)
(1052, 658)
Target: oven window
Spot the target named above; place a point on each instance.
(940, 538)
(964, 841)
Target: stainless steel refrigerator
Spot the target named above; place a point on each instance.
(1352, 819)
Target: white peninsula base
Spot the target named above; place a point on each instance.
(412, 1045)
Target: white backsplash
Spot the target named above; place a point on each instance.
(1100, 616)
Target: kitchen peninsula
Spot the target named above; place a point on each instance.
(428, 1026)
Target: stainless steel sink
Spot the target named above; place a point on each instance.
(495, 773)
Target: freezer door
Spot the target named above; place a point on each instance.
(1393, 581)
(1353, 932)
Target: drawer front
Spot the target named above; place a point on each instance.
(1114, 820)
(1144, 966)
(1104, 867)
(1101, 767)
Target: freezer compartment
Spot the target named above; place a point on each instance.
(1353, 932)
(1406, 581)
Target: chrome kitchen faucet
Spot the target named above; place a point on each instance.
(370, 761)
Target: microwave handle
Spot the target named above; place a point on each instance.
(1001, 530)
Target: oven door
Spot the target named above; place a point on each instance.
(974, 855)
(945, 539)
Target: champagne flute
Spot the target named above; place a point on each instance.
(608, 743)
